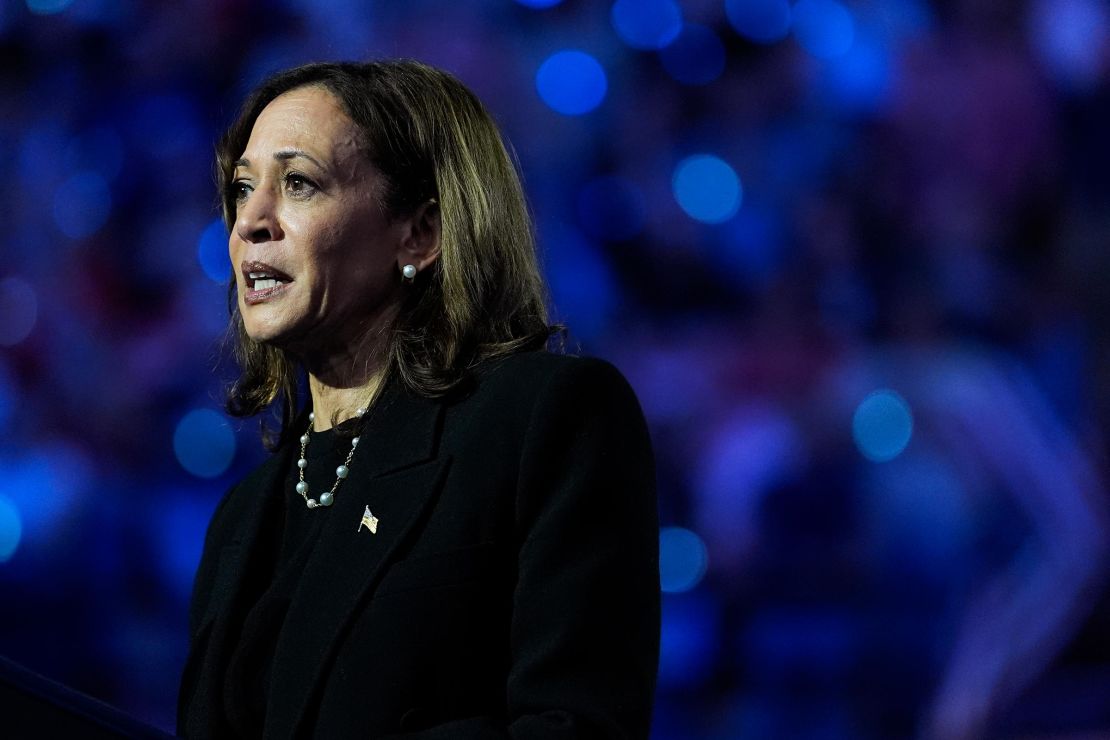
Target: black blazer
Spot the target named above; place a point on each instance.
(511, 589)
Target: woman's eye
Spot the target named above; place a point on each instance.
(299, 184)
(239, 190)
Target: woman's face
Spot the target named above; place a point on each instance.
(315, 254)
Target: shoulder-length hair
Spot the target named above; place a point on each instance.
(432, 140)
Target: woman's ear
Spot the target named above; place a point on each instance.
(420, 245)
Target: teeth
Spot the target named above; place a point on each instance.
(256, 275)
(265, 284)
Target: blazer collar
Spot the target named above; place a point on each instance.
(401, 429)
(396, 474)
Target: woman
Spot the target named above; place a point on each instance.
(457, 537)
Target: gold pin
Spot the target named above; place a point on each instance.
(369, 521)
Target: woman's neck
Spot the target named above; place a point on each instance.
(345, 379)
(334, 404)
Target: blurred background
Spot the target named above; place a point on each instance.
(851, 254)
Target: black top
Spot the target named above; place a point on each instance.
(247, 682)
(510, 587)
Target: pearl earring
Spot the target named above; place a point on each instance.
(409, 272)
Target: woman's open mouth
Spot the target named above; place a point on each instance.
(263, 282)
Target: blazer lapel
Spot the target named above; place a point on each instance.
(395, 474)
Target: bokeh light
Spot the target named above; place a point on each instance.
(921, 511)
(48, 7)
(181, 519)
(571, 82)
(11, 529)
(82, 205)
(611, 208)
(751, 319)
(763, 21)
(882, 425)
(707, 188)
(204, 443)
(1071, 38)
(646, 24)
(824, 28)
(683, 559)
(696, 57)
(858, 81)
(212, 252)
(690, 640)
(905, 19)
(47, 483)
(19, 309)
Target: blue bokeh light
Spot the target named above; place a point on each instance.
(204, 443)
(1069, 37)
(763, 21)
(181, 518)
(707, 188)
(824, 28)
(683, 559)
(212, 252)
(646, 24)
(47, 483)
(611, 208)
(48, 7)
(859, 81)
(11, 529)
(82, 205)
(882, 425)
(697, 56)
(571, 82)
(690, 642)
(18, 310)
(905, 19)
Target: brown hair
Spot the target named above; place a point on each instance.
(431, 138)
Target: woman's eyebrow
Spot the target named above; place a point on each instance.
(283, 156)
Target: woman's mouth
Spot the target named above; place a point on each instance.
(263, 282)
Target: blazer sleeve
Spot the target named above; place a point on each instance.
(586, 605)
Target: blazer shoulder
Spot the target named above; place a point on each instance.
(514, 393)
(537, 368)
(241, 494)
(527, 377)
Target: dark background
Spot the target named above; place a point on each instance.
(851, 255)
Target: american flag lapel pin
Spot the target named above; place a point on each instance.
(369, 521)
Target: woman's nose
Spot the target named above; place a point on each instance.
(256, 219)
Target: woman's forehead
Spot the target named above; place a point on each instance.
(308, 119)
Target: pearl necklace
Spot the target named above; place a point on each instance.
(327, 497)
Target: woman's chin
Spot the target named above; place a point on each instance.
(269, 334)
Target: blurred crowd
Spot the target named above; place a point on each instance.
(852, 256)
